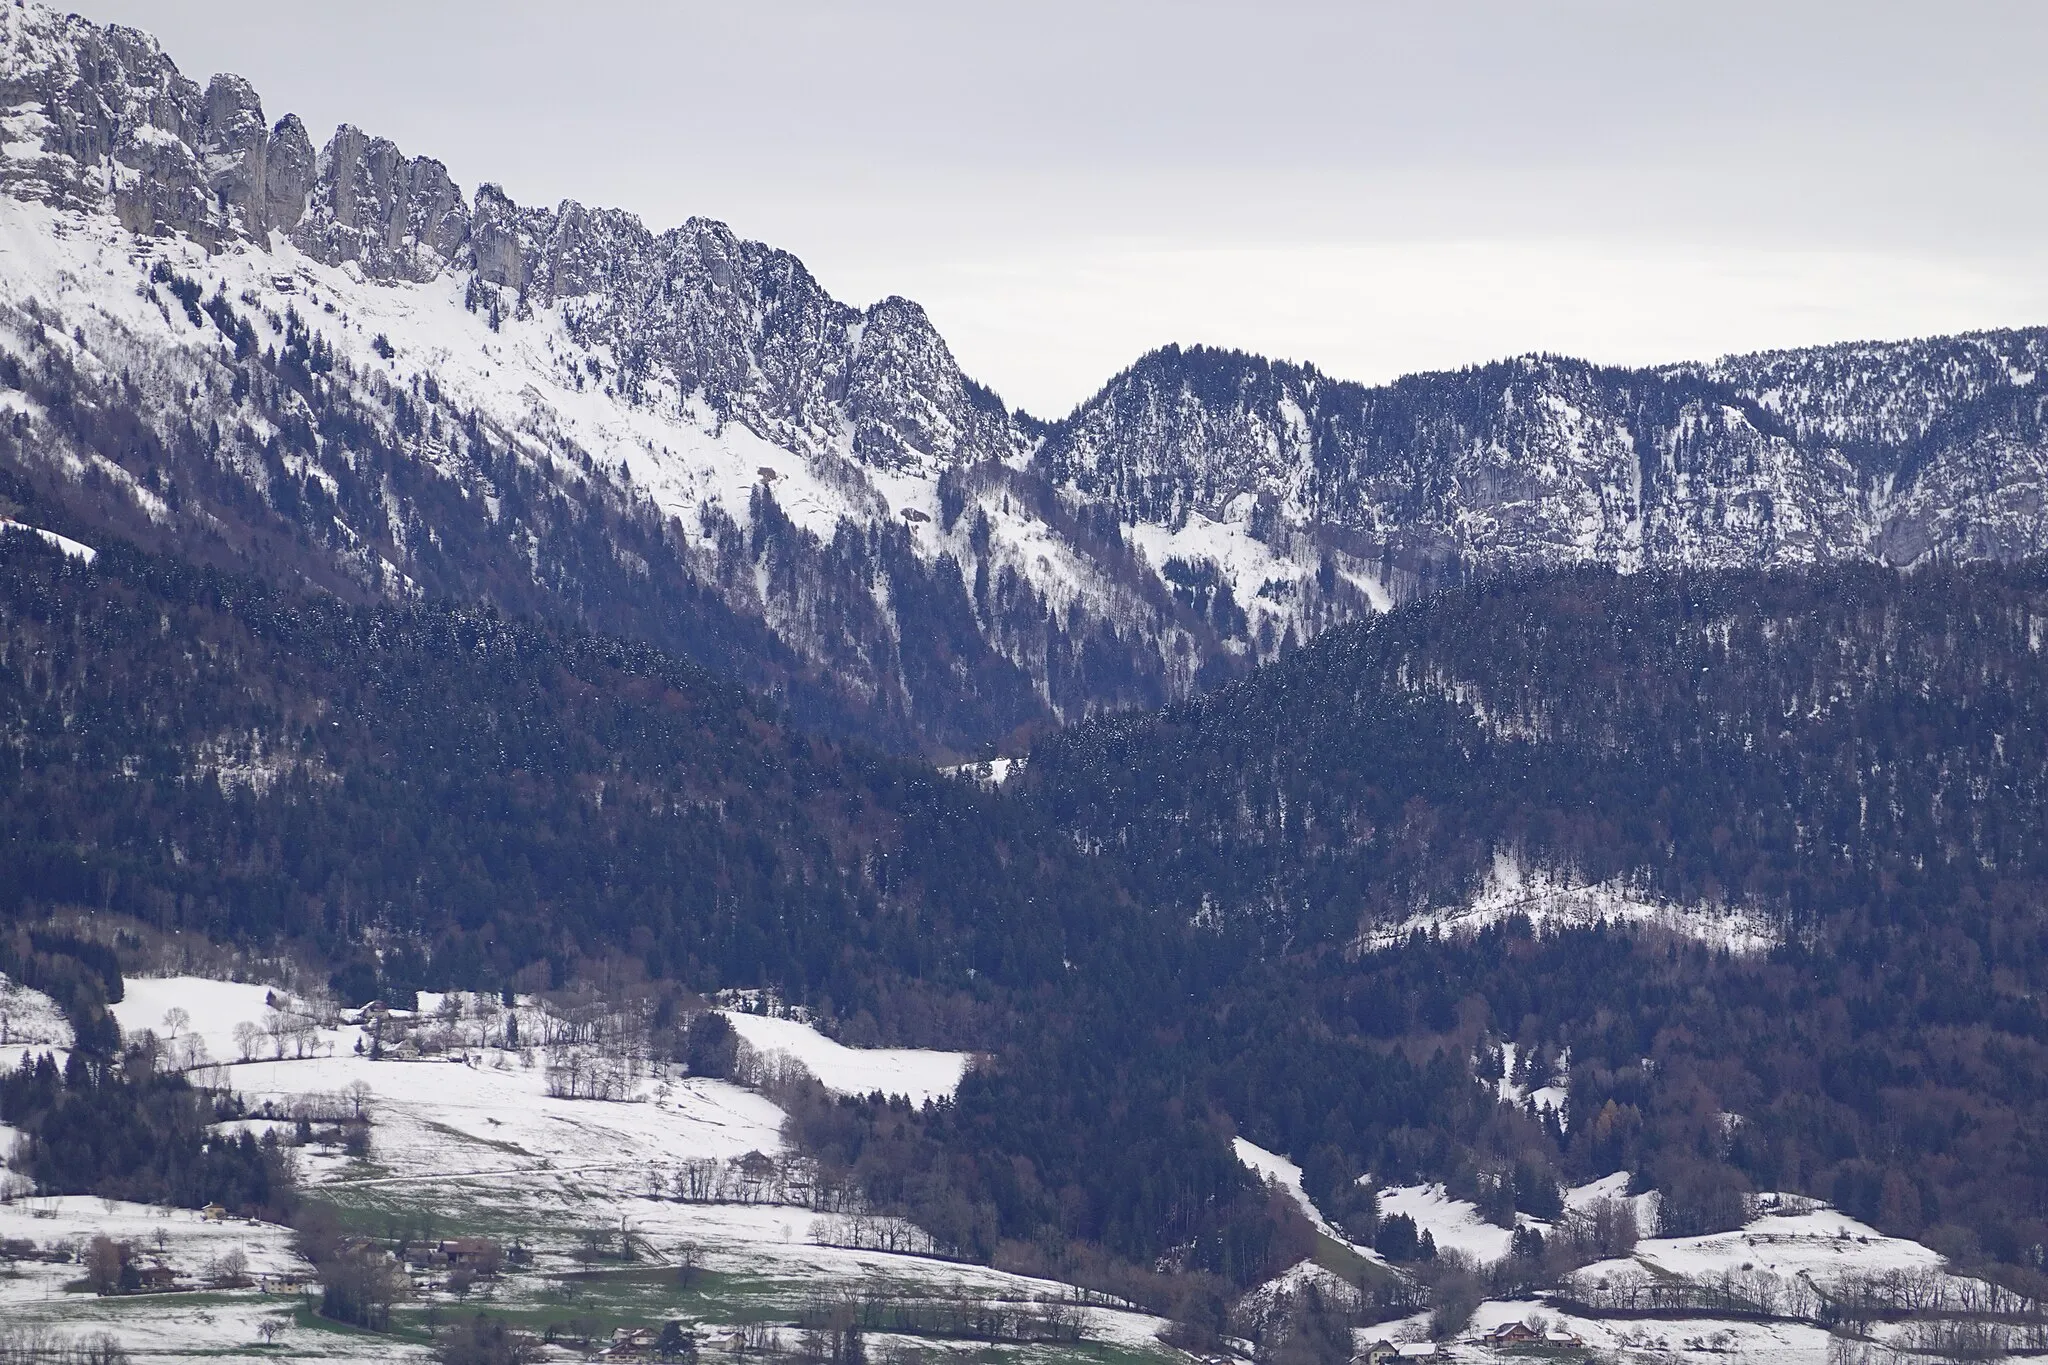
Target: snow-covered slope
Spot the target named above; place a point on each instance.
(1790, 1238)
(495, 1097)
(70, 547)
(1454, 1223)
(176, 1008)
(470, 1132)
(916, 1074)
(1275, 1169)
(30, 1023)
(340, 366)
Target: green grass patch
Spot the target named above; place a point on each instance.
(1350, 1267)
(639, 1294)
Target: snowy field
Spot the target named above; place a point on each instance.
(474, 1135)
(1616, 1187)
(211, 1009)
(1817, 1244)
(1792, 1246)
(485, 1110)
(1766, 1343)
(916, 1074)
(34, 1292)
(1454, 1223)
(436, 1119)
(471, 1141)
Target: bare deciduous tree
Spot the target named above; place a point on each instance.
(248, 1037)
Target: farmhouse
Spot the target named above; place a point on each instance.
(156, 1279)
(476, 1253)
(629, 1343)
(1523, 1334)
(479, 1254)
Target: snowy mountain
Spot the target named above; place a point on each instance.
(1897, 452)
(341, 368)
(338, 366)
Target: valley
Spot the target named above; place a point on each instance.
(567, 794)
(593, 1199)
(589, 1208)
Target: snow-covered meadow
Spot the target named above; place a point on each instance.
(472, 1133)
(1658, 1303)
(916, 1074)
(474, 1129)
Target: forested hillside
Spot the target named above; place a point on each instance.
(1856, 759)
(476, 799)
(1853, 762)
(1158, 933)
(427, 797)
(1847, 743)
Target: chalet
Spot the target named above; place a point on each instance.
(1512, 1334)
(214, 1213)
(1379, 1353)
(631, 1343)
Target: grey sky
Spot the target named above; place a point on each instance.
(1374, 187)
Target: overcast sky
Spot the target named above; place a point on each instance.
(1374, 187)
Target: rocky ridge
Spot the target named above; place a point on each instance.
(366, 377)
(1888, 452)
